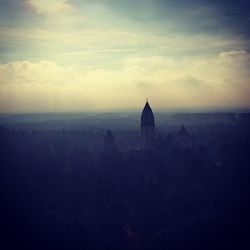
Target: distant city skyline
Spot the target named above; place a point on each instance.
(89, 55)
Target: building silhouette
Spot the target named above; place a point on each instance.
(183, 132)
(109, 141)
(147, 125)
(183, 139)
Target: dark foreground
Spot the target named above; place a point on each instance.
(71, 189)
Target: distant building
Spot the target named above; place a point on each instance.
(147, 125)
(109, 142)
(183, 139)
(183, 131)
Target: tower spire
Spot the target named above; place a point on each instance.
(147, 124)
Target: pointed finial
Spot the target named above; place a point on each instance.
(146, 99)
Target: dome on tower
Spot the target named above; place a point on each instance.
(147, 116)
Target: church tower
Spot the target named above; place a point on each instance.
(147, 124)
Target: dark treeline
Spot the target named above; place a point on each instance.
(78, 190)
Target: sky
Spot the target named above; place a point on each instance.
(110, 55)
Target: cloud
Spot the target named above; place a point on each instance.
(93, 33)
(196, 16)
(18, 13)
(236, 56)
(46, 86)
(51, 6)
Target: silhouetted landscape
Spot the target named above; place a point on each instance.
(100, 181)
(124, 124)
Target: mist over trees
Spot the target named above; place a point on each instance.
(98, 189)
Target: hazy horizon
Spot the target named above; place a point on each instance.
(138, 110)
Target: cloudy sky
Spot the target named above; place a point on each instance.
(90, 55)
